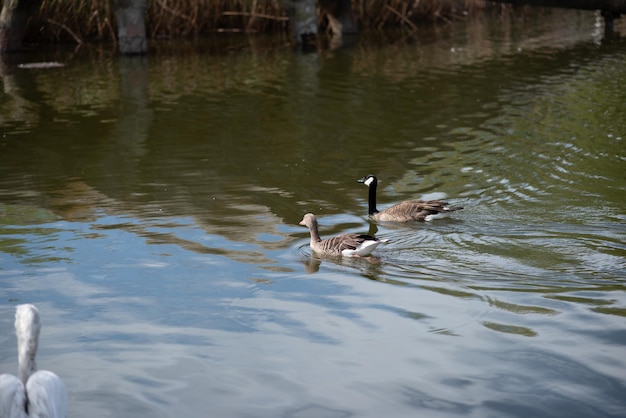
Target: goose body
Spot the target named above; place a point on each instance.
(349, 245)
(32, 393)
(408, 210)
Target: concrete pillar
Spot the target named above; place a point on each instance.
(13, 19)
(131, 26)
(302, 21)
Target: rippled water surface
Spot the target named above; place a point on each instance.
(150, 208)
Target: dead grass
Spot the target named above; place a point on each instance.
(94, 20)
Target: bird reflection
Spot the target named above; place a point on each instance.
(313, 261)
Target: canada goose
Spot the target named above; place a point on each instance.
(409, 210)
(350, 245)
(32, 393)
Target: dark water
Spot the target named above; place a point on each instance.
(150, 208)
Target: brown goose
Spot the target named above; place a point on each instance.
(409, 210)
(350, 245)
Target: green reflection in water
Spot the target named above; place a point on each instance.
(15, 214)
(611, 311)
(510, 329)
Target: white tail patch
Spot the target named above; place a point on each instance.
(362, 250)
(439, 215)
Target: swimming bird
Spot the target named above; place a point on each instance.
(350, 245)
(33, 393)
(409, 210)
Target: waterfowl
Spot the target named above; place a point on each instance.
(350, 245)
(32, 393)
(409, 210)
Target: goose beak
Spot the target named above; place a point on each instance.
(301, 223)
(361, 180)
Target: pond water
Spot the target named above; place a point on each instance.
(150, 207)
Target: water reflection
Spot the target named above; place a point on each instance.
(150, 207)
(367, 266)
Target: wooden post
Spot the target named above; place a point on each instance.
(131, 26)
(13, 19)
(609, 16)
(302, 21)
(341, 19)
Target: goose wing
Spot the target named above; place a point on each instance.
(12, 397)
(345, 242)
(415, 210)
(47, 396)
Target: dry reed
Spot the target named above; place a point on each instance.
(94, 20)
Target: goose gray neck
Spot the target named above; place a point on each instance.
(313, 228)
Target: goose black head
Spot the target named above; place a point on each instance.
(369, 180)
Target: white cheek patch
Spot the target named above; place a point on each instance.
(369, 181)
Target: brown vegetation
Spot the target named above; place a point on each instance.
(94, 20)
